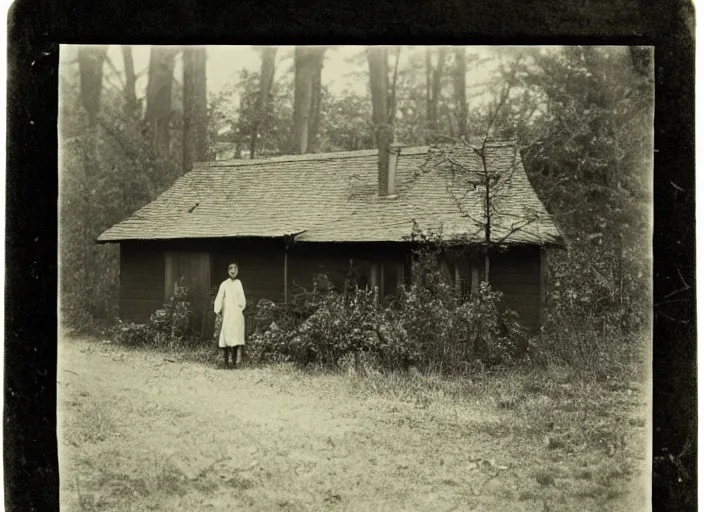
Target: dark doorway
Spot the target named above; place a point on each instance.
(192, 271)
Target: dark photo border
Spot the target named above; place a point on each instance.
(36, 28)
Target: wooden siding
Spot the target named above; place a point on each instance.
(142, 273)
(141, 280)
(307, 261)
(261, 268)
(516, 273)
(337, 260)
(261, 271)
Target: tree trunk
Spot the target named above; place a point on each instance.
(487, 264)
(315, 105)
(383, 130)
(434, 76)
(307, 65)
(131, 105)
(266, 80)
(90, 65)
(392, 92)
(195, 106)
(428, 80)
(238, 131)
(162, 61)
(460, 86)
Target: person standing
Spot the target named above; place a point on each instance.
(229, 306)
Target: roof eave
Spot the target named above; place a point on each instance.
(118, 240)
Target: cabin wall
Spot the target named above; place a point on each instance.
(143, 273)
(516, 273)
(261, 267)
(338, 260)
(141, 280)
(143, 287)
(308, 260)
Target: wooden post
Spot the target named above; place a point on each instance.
(487, 262)
(543, 284)
(475, 277)
(286, 274)
(399, 275)
(168, 275)
(373, 278)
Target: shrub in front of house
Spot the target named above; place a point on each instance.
(274, 328)
(426, 325)
(583, 344)
(131, 334)
(443, 330)
(168, 327)
(342, 324)
(586, 331)
(318, 325)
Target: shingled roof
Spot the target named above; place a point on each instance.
(333, 197)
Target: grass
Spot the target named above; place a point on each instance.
(144, 430)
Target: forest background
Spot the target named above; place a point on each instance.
(133, 119)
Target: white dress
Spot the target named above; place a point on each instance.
(230, 301)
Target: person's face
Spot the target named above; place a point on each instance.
(232, 271)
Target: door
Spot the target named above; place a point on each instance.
(190, 270)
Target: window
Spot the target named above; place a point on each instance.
(388, 276)
(463, 273)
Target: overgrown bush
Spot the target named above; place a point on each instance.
(443, 330)
(168, 327)
(428, 325)
(591, 346)
(132, 334)
(594, 310)
(274, 325)
(573, 343)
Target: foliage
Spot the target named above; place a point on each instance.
(589, 161)
(345, 122)
(168, 327)
(235, 111)
(428, 325)
(457, 328)
(339, 325)
(583, 117)
(96, 193)
(274, 325)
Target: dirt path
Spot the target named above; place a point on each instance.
(144, 431)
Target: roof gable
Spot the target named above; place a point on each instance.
(333, 197)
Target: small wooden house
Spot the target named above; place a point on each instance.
(286, 219)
